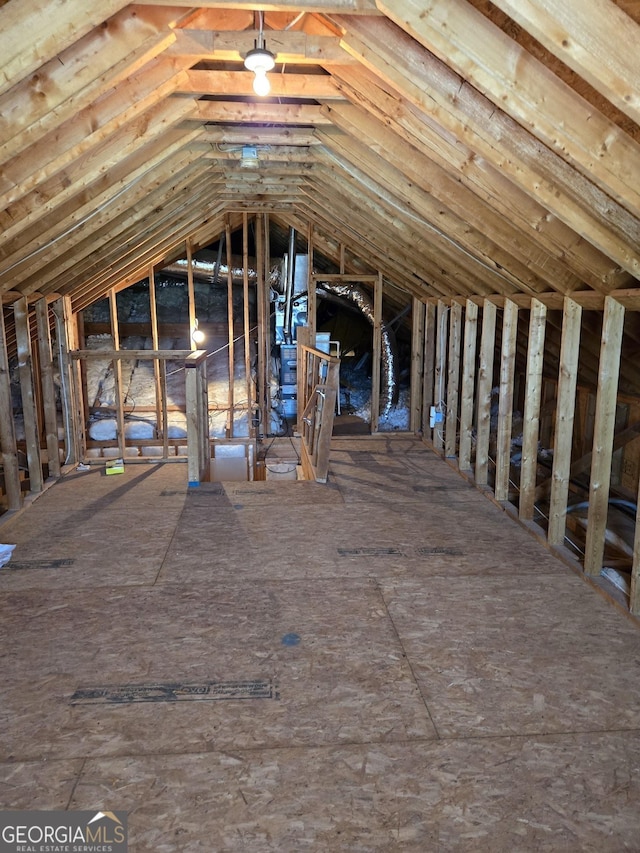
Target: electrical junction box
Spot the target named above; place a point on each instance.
(435, 417)
(115, 466)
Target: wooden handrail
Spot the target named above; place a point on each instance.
(318, 381)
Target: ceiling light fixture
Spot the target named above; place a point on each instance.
(260, 60)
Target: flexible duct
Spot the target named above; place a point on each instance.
(211, 271)
(389, 359)
(205, 270)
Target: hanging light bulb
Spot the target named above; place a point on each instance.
(198, 335)
(260, 60)
(261, 85)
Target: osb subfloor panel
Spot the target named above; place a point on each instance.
(382, 663)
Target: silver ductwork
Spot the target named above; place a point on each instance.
(389, 358)
(211, 271)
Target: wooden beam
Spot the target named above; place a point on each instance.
(33, 32)
(319, 87)
(289, 46)
(565, 413)
(126, 253)
(198, 453)
(533, 392)
(88, 129)
(258, 135)
(634, 592)
(485, 384)
(493, 203)
(532, 94)
(76, 77)
(428, 376)
(90, 170)
(604, 428)
(8, 446)
(264, 328)
(597, 40)
(348, 7)
(368, 216)
(246, 323)
(417, 363)
(117, 371)
(128, 354)
(440, 372)
(230, 350)
(453, 217)
(161, 178)
(27, 391)
(468, 385)
(261, 112)
(191, 296)
(505, 403)
(159, 370)
(48, 388)
(453, 379)
(462, 110)
(73, 423)
(312, 299)
(10, 296)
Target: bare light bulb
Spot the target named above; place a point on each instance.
(198, 337)
(260, 60)
(261, 85)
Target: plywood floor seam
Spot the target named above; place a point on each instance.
(384, 663)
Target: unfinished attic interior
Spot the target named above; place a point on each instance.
(371, 266)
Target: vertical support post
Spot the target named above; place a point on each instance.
(159, 371)
(8, 444)
(198, 455)
(48, 387)
(634, 593)
(191, 295)
(417, 362)
(440, 368)
(603, 432)
(74, 434)
(505, 405)
(231, 353)
(468, 384)
(245, 322)
(565, 414)
(304, 339)
(453, 379)
(428, 377)
(533, 396)
(30, 415)
(311, 286)
(117, 371)
(264, 325)
(77, 340)
(485, 384)
(377, 353)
